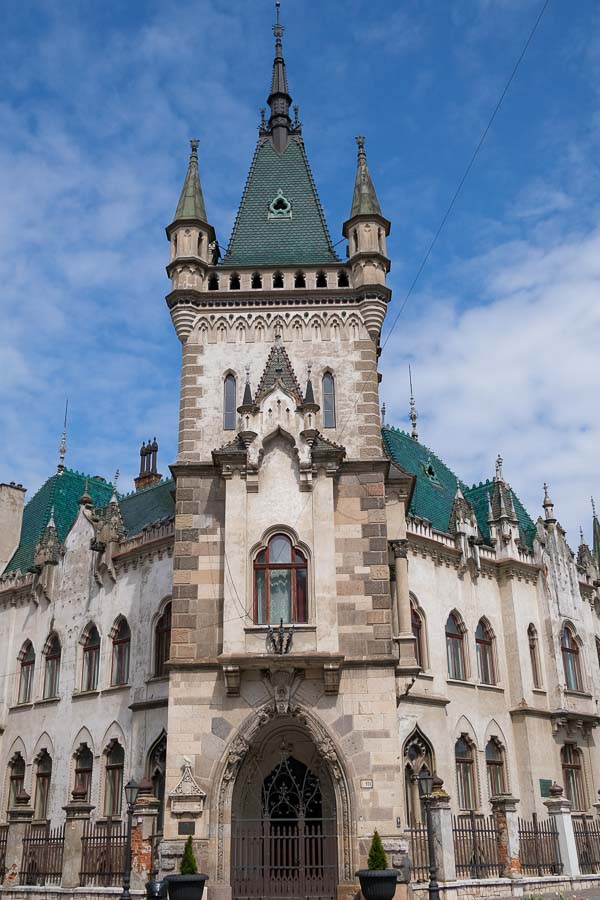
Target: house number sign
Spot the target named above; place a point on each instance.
(366, 784)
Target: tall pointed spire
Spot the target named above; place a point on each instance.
(596, 535)
(413, 410)
(279, 100)
(364, 199)
(191, 201)
(62, 450)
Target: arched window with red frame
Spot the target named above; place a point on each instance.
(571, 660)
(280, 583)
(162, 642)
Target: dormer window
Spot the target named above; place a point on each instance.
(321, 280)
(299, 280)
(234, 282)
(213, 283)
(280, 207)
(277, 280)
(343, 279)
(256, 281)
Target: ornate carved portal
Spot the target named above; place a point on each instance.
(284, 795)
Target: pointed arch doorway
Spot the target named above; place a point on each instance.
(284, 826)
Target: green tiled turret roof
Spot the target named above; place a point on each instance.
(297, 237)
(61, 492)
(436, 484)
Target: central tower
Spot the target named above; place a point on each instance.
(282, 650)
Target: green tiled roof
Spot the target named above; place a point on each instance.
(478, 498)
(299, 239)
(61, 492)
(434, 493)
(149, 505)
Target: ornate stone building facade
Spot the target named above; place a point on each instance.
(315, 609)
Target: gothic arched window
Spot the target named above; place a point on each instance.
(465, 773)
(534, 656)
(16, 770)
(234, 282)
(157, 766)
(256, 281)
(84, 765)
(321, 280)
(229, 402)
(43, 775)
(121, 646)
(162, 641)
(328, 400)
(342, 279)
(280, 583)
(27, 669)
(455, 650)
(418, 757)
(91, 660)
(299, 280)
(484, 643)
(113, 783)
(571, 661)
(52, 655)
(213, 283)
(417, 627)
(277, 280)
(495, 766)
(572, 773)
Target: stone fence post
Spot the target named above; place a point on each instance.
(77, 813)
(19, 817)
(143, 834)
(560, 809)
(443, 838)
(504, 810)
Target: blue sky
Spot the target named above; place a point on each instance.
(503, 331)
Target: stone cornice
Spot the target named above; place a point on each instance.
(280, 297)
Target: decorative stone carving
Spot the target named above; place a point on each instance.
(232, 680)
(187, 798)
(332, 673)
(283, 684)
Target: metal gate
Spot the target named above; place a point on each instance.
(290, 853)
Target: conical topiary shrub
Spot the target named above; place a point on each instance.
(188, 865)
(377, 857)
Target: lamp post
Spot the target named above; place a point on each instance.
(425, 793)
(131, 792)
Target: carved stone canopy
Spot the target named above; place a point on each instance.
(187, 798)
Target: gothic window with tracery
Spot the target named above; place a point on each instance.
(162, 641)
(280, 583)
(495, 766)
(52, 655)
(418, 758)
(121, 647)
(328, 400)
(571, 661)
(27, 669)
(465, 773)
(91, 660)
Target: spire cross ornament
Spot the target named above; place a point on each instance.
(194, 145)
(413, 409)
(62, 450)
(499, 462)
(360, 141)
(278, 28)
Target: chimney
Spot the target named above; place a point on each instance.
(12, 501)
(148, 468)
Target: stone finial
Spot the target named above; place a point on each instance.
(194, 143)
(499, 463)
(548, 504)
(85, 499)
(555, 790)
(62, 450)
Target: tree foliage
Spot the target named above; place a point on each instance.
(377, 857)
(189, 865)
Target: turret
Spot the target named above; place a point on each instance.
(191, 238)
(366, 230)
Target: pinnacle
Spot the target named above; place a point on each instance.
(191, 201)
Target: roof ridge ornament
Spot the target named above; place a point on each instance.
(413, 415)
(499, 463)
(62, 450)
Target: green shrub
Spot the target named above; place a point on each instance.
(377, 857)
(188, 864)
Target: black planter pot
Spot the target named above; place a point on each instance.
(378, 884)
(186, 887)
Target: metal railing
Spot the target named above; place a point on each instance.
(587, 841)
(540, 851)
(42, 855)
(476, 846)
(418, 851)
(102, 853)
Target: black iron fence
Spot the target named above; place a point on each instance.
(102, 853)
(587, 841)
(418, 851)
(3, 839)
(540, 851)
(476, 846)
(42, 858)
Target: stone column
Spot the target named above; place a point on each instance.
(405, 638)
(77, 812)
(145, 815)
(504, 809)
(443, 839)
(560, 809)
(19, 818)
